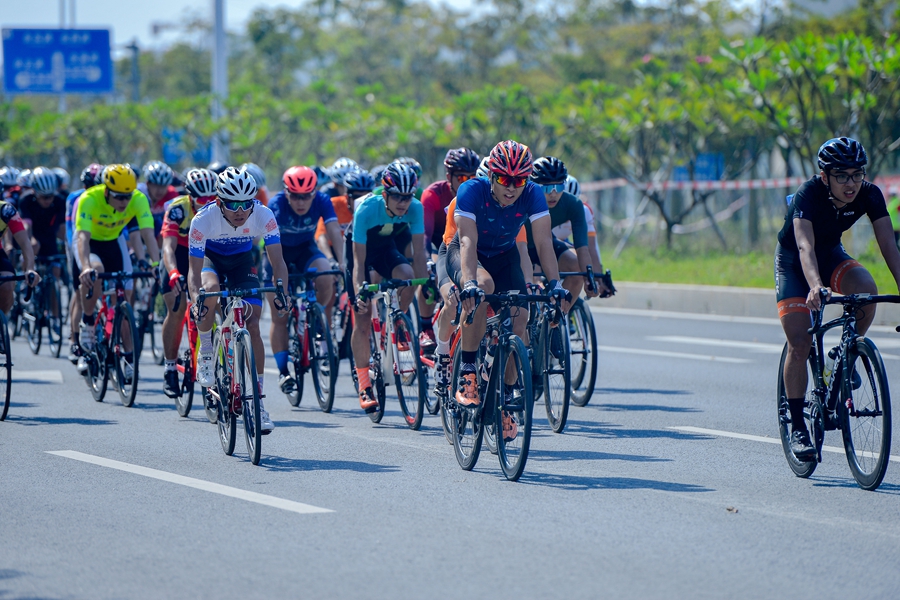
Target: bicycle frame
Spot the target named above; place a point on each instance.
(305, 292)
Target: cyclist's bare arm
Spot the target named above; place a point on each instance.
(149, 238)
(279, 269)
(543, 240)
(420, 267)
(806, 245)
(334, 235)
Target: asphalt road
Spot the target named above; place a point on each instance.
(671, 483)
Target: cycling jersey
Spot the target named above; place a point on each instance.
(812, 203)
(210, 231)
(299, 230)
(450, 227)
(158, 208)
(105, 223)
(177, 220)
(498, 225)
(71, 203)
(341, 205)
(9, 218)
(435, 200)
(569, 208)
(45, 222)
(371, 222)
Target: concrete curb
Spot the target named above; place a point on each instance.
(714, 300)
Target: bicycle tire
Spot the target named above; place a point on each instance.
(186, 357)
(322, 357)
(54, 324)
(377, 379)
(583, 386)
(32, 319)
(248, 384)
(408, 372)
(513, 453)
(6, 366)
(866, 428)
(127, 391)
(465, 423)
(97, 374)
(811, 412)
(226, 419)
(295, 348)
(557, 378)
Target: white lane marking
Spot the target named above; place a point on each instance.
(663, 353)
(199, 484)
(766, 440)
(752, 346)
(50, 376)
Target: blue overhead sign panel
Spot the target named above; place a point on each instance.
(57, 61)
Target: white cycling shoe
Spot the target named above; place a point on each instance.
(205, 369)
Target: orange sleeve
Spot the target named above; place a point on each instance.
(450, 224)
(522, 235)
(320, 228)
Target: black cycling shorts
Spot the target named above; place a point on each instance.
(505, 268)
(113, 255)
(182, 262)
(235, 271)
(559, 246)
(440, 267)
(297, 259)
(791, 288)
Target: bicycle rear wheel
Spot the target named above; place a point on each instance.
(322, 357)
(186, 365)
(811, 411)
(248, 384)
(512, 408)
(376, 376)
(295, 351)
(127, 385)
(866, 420)
(98, 361)
(466, 429)
(583, 344)
(557, 374)
(54, 324)
(226, 420)
(32, 319)
(5, 365)
(408, 372)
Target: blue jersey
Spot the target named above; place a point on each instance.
(70, 215)
(371, 222)
(299, 230)
(498, 225)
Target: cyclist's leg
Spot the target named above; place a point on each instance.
(568, 261)
(74, 304)
(171, 327)
(7, 290)
(850, 277)
(278, 333)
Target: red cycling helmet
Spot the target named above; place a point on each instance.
(510, 158)
(300, 180)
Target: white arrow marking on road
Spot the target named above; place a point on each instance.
(199, 484)
(48, 376)
(645, 352)
(767, 440)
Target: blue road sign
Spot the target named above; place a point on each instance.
(707, 167)
(57, 61)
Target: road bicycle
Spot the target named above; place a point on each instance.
(551, 365)
(186, 359)
(394, 351)
(504, 415)
(853, 398)
(6, 363)
(115, 331)
(236, 391)
(45, 308)
(310, 343)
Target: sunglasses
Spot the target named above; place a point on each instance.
(844, 177)
(553, 187)
(301, 197)
(464, 177)
(507, 181)
(400, 198)
(116, 196)
(202, 200)
(236, 205)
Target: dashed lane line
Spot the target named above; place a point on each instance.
(665, 354)
(199, 484)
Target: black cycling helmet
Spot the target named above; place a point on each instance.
(549, 169)
(461, 160)
(842, 153)
(217, 166)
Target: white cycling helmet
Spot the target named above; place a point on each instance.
(483, 168)
(256, 172)
(63, 176)
(44, 181)
(158, 173)
(236, 185)
(200, 183)
(341, 168)
(8, 176)
(573, 187)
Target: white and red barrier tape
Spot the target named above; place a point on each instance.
(891, 184)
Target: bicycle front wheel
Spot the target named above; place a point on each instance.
(5, 365)
(248, 385)
(811, 412)
(126, 371)
(866, 418)
(557, 374)
(295, 365)
(186, 365)
(98, 362)
(583, 343)
(322, 357)
(226, 419)
(466, 430)
(32, 319)
(408, 371)
(54, 323)
(513, 408)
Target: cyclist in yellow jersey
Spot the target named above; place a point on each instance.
(103, 213)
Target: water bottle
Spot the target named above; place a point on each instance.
(830, 359)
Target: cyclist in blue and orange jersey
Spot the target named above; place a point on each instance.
(550, 173)
(340, 169)
(158, 189)
(200, 185)
(259, 176)
(9, 219)
(482, 257)
(810, 259)
(381, 223)
(219, 245)
(90, 176)
(298, 209)
(359, 183)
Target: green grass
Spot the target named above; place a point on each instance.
(752, 269)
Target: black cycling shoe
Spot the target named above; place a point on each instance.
(802, 447)
(855, 380)
(171, 388)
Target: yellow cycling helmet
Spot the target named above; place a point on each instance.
(119, 179)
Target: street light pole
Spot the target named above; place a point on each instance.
(62, 96)
(220, 146)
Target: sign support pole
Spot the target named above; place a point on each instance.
(220, 149)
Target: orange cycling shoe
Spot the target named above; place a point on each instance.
(467, 392)
(510, 427)
(367, 400)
